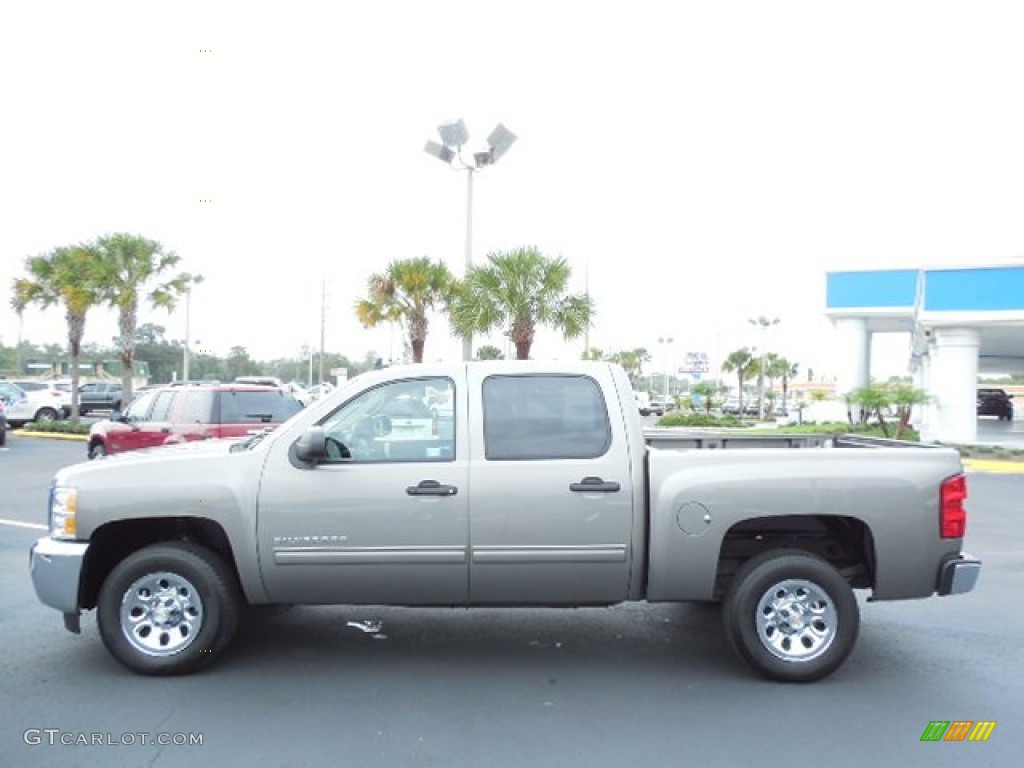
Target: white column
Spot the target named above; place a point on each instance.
(954, 384)
(927, 421)
(853, 360)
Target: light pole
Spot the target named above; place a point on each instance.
(665, 341)
(323, 326)
(764, 323)
(454, 136)
(187, 353)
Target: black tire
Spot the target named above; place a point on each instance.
(791, 616)
(45, 415)
(179, 630)
(97, 451)
(3, 435)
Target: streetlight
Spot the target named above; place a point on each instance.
(186, 354)
(666, 340)
(764, 323)
(454, 136)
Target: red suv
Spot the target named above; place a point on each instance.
(171, 415)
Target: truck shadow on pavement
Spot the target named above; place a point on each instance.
(651, 638)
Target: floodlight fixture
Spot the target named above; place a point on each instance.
(454, 133)
(480, 159)
(442, 153)
(499, 141)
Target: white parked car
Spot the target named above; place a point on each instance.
(18, 409)
(50, 401)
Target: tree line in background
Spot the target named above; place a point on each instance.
(164, 357)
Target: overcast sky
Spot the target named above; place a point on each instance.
(703, 162)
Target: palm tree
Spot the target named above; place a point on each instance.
(517, 291)
(19, 305)
(707, 390)
(790, 372)
(745, 365)
(778, 367)
(905, 397)
(130, 263)
(403, 294)
(872, 400)
(68, 276)
(632, 360)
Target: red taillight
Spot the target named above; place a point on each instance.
(952, 515)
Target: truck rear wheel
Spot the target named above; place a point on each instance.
(791, 616)
(168, 609)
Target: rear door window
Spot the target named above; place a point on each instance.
(544, 417)
(162, 406)
(197, 408)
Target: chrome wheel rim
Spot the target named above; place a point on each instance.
(796, 620)
(161, 614)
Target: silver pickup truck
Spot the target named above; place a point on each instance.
(500, 484)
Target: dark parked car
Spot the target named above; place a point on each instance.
(995, 402)
(3, 421)
(179, 414)
(99, 396)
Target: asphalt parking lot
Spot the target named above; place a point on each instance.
(629, 685)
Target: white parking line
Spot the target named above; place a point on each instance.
(19, 524)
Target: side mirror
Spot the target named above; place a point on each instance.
(311, 447)
(116, 415)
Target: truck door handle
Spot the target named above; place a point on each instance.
(431, 488)
(592, 484)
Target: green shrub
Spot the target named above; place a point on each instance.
(61, 427)
(837, 428)
(679, 419)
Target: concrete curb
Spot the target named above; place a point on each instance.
(51, 435)
(994, 466)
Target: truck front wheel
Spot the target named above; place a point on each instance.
(168, 609)
(791, 616)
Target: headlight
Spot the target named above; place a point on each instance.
(63, 507)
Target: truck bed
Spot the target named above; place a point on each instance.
(676, 439)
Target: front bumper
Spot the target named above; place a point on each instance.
(56, 568)
(958, 575)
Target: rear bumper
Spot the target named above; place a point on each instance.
(959, 575)
(56, 569)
